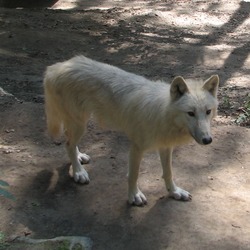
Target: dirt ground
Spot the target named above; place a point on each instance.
(157, 39)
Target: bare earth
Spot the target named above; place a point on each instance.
(157, 39)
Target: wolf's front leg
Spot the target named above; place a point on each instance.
(83, 158)
(135, 196)
(174, 191)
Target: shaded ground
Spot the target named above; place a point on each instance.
(157, 39)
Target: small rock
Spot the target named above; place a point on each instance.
(8, 151)
(10, 130)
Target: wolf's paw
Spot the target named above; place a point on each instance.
(81, 176)
(137, 198)
(83, 158)
(180, 194)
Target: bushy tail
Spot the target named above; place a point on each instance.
(52, 110)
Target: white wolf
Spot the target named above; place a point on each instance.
(154, 115)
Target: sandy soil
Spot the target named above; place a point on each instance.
(157, 39)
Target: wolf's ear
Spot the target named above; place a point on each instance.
(211, 85)
(178, 88)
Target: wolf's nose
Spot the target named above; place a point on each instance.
(207, 140)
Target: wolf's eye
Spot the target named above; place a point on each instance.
(208, 112)
(191, 113)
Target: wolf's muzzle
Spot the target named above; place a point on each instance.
(207, 140)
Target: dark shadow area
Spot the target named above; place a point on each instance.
(27, 3)
(99, 210)
(236, 60)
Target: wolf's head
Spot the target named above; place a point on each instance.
(197, 103)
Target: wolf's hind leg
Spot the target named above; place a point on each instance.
(135, 196)
(174, 191)
(73, 134)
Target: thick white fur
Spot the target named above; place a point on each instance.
(154, 115)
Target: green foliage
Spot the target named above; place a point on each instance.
(1, 237)
(65, 245)
(226, 102)
(244, 117)
(3, 192)
(3, 244)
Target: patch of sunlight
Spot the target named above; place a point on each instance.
(191, 40)
(240, 79)
(64, 5)
(112, 50)
(116, 49)
(245, 25)
(149, 34)
(73, 4)
(215, 56)
(186, 20)
(247, 62)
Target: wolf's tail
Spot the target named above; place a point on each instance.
(52, 110)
